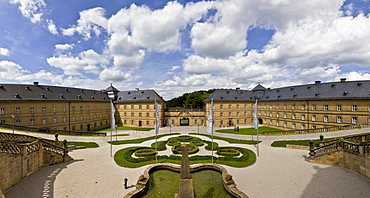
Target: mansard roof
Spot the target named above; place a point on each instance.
(46, 93)
(230, 95)
(345, 90)
(138, 96)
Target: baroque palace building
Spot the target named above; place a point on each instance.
(309, 106)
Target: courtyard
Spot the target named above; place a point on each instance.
(277, 172)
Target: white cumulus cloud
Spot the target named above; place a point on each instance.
(4, 52)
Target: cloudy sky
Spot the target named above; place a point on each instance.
(180, 46)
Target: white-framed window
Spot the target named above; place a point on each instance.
(245, 106)
(237, 106)
(326, 118)
(293, 126)
(147, 107)
(313, 107)
(32, 110)
(313, 127)
(124, 107)
(230, 106)
(293, 107)
(18, 122)
(237, 114)
(81, 118)
(88, 107)
(303, 117)
(17, 110)
(284, 106)
(339, 119)
(230, 114)
(64, 119)
(32, 121)
(303, 107)
(139, 114)
(124, 121)
(293, 116)
(73, 118)
(354, 107)
(284, 115)
(73, 108)
(285, 124)
(147, 122)
(132, 114)
(94, 116)
(277, 115)
(354, 120)
(326, 107)
(339, 107)
(264, 113)
(303, 127)
(81, 108)
(313, 118)
(54, 120)
(64, 109)
(221, 106)
(270, 114)
(221, 114)
(132, 106)
(277, 106)
(132, 122)
(147, 115)
(277, 124)
(2, 111)
(237, 121)
(139, 106)
(124, 114)
(245, 121)
(270, 106)
(43, 120)
(54, 109)
(43, 109)
(245, 113)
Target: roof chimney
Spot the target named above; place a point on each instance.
(343, 80)
(238, 89)
(317, 82)
(35, 84)
(136, 89)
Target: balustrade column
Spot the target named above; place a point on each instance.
(312, 151)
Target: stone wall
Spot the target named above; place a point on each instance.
(25, 159)
(359, 163)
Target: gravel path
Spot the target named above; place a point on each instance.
(278, 172)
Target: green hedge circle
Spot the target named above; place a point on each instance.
(173, 142)
(227, 152)
(176, 149)
(184, 137)
(145, 152)
(198, 143)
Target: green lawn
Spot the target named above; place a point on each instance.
(248, 131)
(86, 144)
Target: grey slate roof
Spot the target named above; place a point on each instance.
(46, 93)
(230, 95)
(138, 96)
(348, 90)
(323, 91)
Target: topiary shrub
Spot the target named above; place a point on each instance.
(227, 152)
(184, 138)
(145, 152)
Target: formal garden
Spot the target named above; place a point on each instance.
(137, 156)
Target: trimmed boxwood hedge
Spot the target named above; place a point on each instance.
(198, 143)
(145, 152)
(225, 151)
(195, 150)
(172, 142)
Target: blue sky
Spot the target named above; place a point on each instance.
(180, 46)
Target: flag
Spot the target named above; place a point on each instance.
(157, 119)
(255, 116)
(210, 118)
(113, 111)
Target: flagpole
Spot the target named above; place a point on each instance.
(155, 131)
(211, 114)
(258, 150)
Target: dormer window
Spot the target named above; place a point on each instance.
(27, 87)
(66, 89)
(42, 95)
(359, 84)
(92, 97)
(291, 89)
(82, 90)
(345, 93)
(79, 96)
(47, 88)
(222, 97)
(308, 87)
(128, 92)
(317, 94)
(333, 85)
(294, 95)
(17, 95)
(61, 96)
(134, 97)
(147, 97)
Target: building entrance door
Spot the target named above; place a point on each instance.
(140, 123)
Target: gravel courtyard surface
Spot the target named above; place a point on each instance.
(278, 172)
